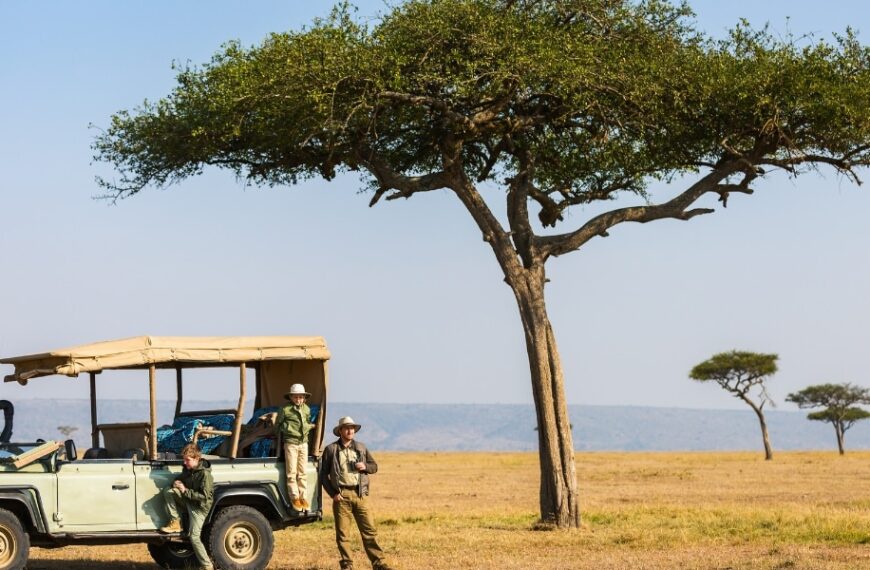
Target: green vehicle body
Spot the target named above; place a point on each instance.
(51, 495)
(63, 500)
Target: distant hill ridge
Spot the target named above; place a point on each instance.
(489, 427)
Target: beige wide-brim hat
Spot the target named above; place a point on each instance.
(296, 390)
(345, 421)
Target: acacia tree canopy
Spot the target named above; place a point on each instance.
(738, 372)
(840, 402)
(585, 99)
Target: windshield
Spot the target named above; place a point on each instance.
(21, 454)
(13, 450)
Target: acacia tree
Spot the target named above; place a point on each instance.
(738, 372)
(840, 403)
(559, 103)
(67, 430)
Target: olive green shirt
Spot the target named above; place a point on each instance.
(292, 423)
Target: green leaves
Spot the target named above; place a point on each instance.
(735, 364)
(582, 98)
(839, 401)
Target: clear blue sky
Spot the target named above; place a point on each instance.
(407, 295)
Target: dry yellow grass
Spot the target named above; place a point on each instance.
(640, 510)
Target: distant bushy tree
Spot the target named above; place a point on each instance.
(66, 431)
(738, 372)
(840, 406)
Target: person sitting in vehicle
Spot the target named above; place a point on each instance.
(192, 491)
(294, 425)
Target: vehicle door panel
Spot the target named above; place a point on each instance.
(151, 479)
(96, 495)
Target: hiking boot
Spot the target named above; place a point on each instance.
(305, 504)
(171, 527)
(297, 503)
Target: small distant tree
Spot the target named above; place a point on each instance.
(840, 406)
(67, 430)
(738, 372)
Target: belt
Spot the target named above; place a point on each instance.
(354, 487)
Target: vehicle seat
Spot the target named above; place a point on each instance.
(136, 454)
(122, 436)
(96, 453)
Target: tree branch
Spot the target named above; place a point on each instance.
(431, 102)
(676, 208)
(845, 164)
(389, 179)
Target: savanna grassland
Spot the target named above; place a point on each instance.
(803, 510)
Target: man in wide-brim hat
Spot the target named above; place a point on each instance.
(293, 423)
(344, 473)
(345, 421)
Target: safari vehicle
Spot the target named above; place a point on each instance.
(52, 496)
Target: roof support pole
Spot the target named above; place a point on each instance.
(179, 394)
(237, 427)
(95, 435)
(152, 396)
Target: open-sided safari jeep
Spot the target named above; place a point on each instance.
(52, 496)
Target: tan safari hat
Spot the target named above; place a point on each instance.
(296, 389)
(345, 421)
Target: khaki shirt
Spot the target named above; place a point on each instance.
(348, 476)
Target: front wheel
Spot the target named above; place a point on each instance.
(241, 539)
(14, 542)
(173, 555)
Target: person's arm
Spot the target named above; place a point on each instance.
(324, 469)
(279, 419)
(371, 466)
(205, 495)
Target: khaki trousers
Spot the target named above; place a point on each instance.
(295, 458)
(175, 503)
(352, 508)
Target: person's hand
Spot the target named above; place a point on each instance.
(360, 466)
(337, 498)
(180, 486)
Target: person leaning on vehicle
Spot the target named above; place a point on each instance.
(192, 491)
(344, 472)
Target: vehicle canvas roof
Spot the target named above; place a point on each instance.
(165, 352)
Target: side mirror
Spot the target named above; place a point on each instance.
(70, 448)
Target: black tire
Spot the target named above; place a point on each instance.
(241, 539)
(14, 542)
(173, 555)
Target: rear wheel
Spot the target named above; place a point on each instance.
(14, 542)
(241, 539)
(173, 555)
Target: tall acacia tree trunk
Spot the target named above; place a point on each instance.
(765, 436)
(838, 427)
(522, 263)
(559, 502)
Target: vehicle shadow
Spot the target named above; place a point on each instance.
(88, 565)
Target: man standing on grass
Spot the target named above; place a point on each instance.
(344, 473)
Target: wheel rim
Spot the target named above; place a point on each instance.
(7, 545)
(242, 542)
